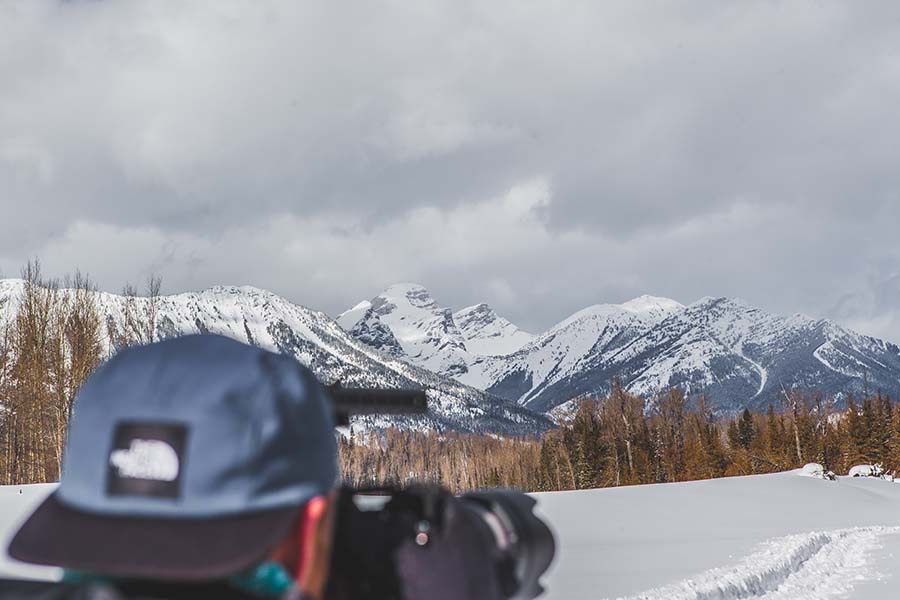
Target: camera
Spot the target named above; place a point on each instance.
(421, 541)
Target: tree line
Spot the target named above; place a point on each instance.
(620, 440)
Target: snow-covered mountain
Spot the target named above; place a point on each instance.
(741, 355)
(563, 363)
(487, 375)
(264, 319)
(406, 322)
(736, 354)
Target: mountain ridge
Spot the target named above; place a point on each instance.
(264, 319)
(736, 354)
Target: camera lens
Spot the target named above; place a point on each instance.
(524, 544)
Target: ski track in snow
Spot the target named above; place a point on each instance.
(806, 566)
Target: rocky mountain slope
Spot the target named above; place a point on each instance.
(735, 354)
(264, 319)
(488, 334)
(406, 322)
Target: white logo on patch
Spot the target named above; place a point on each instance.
(146, 459)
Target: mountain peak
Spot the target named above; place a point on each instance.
(404, 286)
(405, 318)
(413, 293)
(644, 308)
(476, 309)
(239, 290)
(349, 318)
(592, 311)
(431, 335)
(647, 303)
(710, 301)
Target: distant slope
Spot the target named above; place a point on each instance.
(735, 354)
(567, 360)
(264, 319)
(744, 356)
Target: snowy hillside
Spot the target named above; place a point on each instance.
(563, 362)
(742, 355)
(261, 318)
(487, 333)
(766, 537)
(736, 354)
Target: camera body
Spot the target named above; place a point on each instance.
(422, 542)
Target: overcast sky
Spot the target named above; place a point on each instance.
(540, 156)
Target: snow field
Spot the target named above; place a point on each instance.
(16, 503)
(813, 565)
(764, 536)
(769, 537)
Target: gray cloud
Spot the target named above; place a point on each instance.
(538, 157)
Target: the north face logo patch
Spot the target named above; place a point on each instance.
(146, 459)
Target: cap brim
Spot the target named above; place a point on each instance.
(175, 549)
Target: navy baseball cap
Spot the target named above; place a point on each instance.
(185, 459)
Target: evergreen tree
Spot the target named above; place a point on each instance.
(857, 436)
(746, 432)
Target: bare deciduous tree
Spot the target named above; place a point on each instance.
(50, 347)
(140, 315)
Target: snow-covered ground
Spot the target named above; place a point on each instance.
(16, 503)
(766, 536)
(771, 536)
